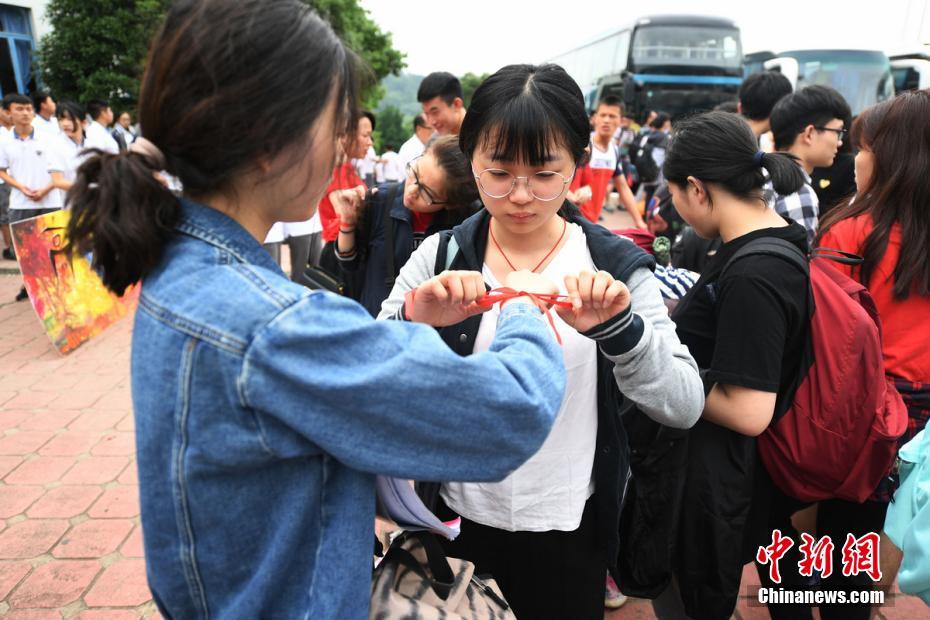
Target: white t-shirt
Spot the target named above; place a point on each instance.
(48, 127)
(410, 150)
(27, 161)
(603, 160)
(393, 168)
(549, 491)
(97, 137)
(66, 157)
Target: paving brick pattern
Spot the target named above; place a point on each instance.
(70, 539)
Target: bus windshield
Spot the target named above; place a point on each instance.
(862, 77)
(686, 45)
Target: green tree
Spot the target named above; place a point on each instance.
(391, 127)
(352, 22)
(470, 83)
(96, 50)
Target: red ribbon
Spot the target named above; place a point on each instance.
(544, 301)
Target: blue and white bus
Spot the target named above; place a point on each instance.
(674, 63)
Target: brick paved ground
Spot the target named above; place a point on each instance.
(70, 540)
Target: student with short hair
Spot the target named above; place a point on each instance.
(98, 136)
(440, 94)
(604, 166)
(263, 410)
(24, 166)
(809, 126)
(45, 120)
(6, 131)
(549, 532)
(122, 130)
(758, 94)
(414, 147)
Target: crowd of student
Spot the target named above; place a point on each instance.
(492, 341)
(42, 145)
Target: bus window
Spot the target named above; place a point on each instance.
(687, 45)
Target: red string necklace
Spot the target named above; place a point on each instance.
(544, 258)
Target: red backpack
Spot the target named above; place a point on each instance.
(838, 438)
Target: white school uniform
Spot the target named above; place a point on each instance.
(27, 161)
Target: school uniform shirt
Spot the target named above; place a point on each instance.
(66, 157)
(597, 174)
(46, 127)
(549, 491)
(905, 343)
(27, 161)
(410, 150)
(393, 167)
(97, 137)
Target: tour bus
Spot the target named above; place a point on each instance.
(674, 63)
(911, 71)
(863, 77)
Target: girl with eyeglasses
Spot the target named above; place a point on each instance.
(549, 531)
(376, 237)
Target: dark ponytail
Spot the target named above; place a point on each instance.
(227, 83)
(458, 179)
(720, 148)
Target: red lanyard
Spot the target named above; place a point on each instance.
(539, 264)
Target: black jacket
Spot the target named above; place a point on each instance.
(611, 460)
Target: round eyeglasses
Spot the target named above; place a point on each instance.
(545, 185)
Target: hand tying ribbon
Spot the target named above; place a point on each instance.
(544, 301)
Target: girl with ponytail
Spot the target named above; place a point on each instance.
(747, 329)
(263, 411)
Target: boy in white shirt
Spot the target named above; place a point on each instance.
(24, 167)
(98, 136)
(44, 121)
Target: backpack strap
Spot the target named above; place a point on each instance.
(446, 252)
(772, 247)
(389, 235)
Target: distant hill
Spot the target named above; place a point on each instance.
(401, 92)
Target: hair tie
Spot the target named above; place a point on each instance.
(147, 148)
(758, 158)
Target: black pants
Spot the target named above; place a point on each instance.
(835, 518)
(543, 575)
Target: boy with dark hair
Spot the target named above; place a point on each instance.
(758, 94)
(414, 147)
(24, 167)
(97, 135)
(604, 166)
(440, 93)
(6, 131)
(809, 125)
(44, 106)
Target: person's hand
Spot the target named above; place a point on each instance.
(30, 193)
(348, 204)
(529, 282)
(595, 297)
(446, 299)
(42, 193)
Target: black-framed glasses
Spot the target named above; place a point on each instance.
(840, 133)
(546, 185)
(426, 192)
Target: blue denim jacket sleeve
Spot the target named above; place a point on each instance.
(390, 397)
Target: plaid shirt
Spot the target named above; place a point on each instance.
(802, 206)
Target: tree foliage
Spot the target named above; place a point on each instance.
(392, 129)
(470, 83)
(353, 24)
(96, 50)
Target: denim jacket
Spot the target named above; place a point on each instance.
(264, 410)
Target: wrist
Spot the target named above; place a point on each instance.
(347, 231)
